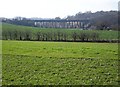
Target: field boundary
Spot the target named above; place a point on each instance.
(97, 41)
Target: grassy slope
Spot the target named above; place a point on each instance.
(103, 34)
(59, 63)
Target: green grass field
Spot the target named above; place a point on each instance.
(59, 63)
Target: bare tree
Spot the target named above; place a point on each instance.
(94, 36)
(15, 34)
(38, 35)
(27, 35)
(59, 35)
(82, 36)
(74, 36)
(55, 36)
(5, 34)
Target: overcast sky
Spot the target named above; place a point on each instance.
(53, 8)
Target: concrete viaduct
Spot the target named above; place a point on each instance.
(83, 24)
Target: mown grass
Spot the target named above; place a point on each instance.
(59, 63)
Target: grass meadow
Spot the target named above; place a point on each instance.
(59, 63)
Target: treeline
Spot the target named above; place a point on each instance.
(20, 21)
(102, 20)
(37, 35)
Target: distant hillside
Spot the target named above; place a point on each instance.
(100, 19)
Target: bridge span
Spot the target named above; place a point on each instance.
(83, 24)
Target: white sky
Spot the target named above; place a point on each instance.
(53, 8)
